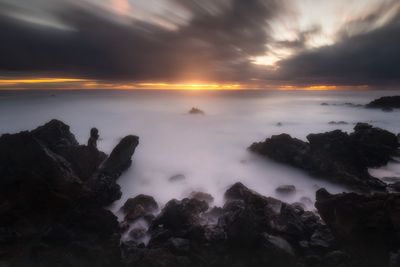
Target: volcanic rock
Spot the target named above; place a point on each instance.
(336, 156)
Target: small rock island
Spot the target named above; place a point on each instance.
(194, 111)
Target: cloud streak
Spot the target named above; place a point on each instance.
(215, 44)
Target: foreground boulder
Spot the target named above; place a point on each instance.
(51, 211)
(385, 103)
(336, 156)
(367, 226)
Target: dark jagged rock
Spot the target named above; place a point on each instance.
(180, 215)
(141, 206)
(103, 182)
(336, 156)
(386, 103)
(202, 197)
(47, 213)
(26, 164)
(138, 233)
(286, 189)
(120, 158)
(240, 192)
(338, 123)
(84, 160)
(55, 134)
(366, 225)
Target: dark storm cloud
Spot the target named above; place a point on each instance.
(216, 42)
(363, 56)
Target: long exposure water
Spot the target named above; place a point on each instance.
(209, 150)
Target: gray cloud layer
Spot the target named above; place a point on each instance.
(215, 44)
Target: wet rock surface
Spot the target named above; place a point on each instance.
(336, 156)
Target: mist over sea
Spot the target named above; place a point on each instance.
(209, 150)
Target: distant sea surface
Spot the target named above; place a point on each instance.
(209, 150)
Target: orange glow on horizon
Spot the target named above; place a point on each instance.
(78, 83)
(190, 86)
(40, 80)
(320, 87)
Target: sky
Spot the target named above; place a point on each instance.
(199, 44)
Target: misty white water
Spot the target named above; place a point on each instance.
(209, 150)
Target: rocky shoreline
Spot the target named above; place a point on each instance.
(336, 156)
(54, 193)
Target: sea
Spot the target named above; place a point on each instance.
(203, 152)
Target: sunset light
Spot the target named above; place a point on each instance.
(39, 80)
(190, 86)
(199, 133)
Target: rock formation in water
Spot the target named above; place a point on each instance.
(195, 110)
(338, 123)
(386, 103)
(336, 156)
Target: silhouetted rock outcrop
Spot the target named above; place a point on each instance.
(103, 182)
(336, 156)
(386, 103)
(49, 213)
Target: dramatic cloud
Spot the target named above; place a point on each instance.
(259, 42)
(365, 54)
(215, 43)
